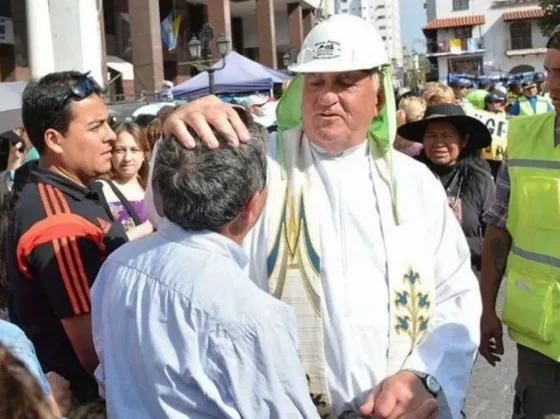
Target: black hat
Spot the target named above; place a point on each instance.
(478, 135)
(527, 84)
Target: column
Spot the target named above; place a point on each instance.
(104, 71)
(19, 20)
(308, 21)
(266, 32)
(40, 46)
(147, 55)
(76, 37)
(295, 24)
(219, 17)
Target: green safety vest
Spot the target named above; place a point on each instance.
(525, 107)
(477, 97)
(532, 303)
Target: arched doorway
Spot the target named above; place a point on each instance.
(523, 68)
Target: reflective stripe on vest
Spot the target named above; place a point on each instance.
(533, 269)
(525, 107)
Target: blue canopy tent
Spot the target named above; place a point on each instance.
(239, 75)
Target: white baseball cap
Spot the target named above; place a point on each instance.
(343, 42)
(255, 100)
(268, 117)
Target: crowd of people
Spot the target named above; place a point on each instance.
(335, 254)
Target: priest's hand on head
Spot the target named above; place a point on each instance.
(202, 115)
(402, 396)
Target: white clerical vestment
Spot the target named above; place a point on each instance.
(393, 296)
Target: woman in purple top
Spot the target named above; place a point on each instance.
(125, 188)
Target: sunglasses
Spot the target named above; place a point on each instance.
(83, 88)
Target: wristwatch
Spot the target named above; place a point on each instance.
(429, 381)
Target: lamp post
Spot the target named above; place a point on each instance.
(201, 54)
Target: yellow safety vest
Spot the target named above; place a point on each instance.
(532, 304)
(525, 107)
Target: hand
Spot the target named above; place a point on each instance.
(15, 157)
(402, 396)
(200, 115)
(491, 333)
(60, 391)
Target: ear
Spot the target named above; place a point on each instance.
(251, 209)
(53, 141)
(381, 99)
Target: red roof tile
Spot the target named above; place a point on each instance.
(455, 22)
(524, 14)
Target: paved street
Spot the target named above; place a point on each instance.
(491, 395)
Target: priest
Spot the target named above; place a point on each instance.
(357, 237)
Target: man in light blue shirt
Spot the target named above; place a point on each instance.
(180, 329)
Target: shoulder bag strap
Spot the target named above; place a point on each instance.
(127, 204)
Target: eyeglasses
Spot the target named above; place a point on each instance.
(83, 88)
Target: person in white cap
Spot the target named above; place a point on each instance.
(356, 237)
(166, 93)
(254, 104)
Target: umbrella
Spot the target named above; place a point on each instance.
(10, 105)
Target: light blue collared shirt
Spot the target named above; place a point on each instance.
(21, 348)
(182, 332)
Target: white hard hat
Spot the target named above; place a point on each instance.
(343, 42)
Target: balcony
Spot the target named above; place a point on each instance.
(458, 46)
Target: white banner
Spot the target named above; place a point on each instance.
(497, 124)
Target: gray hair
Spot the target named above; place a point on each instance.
(205, 189)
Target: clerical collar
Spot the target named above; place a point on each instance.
(319, 150)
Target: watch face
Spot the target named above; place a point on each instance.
(433, 385)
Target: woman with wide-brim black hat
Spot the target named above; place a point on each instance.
(452, 143)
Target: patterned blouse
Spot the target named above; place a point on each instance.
(120, 213)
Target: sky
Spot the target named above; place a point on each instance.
(413, 17)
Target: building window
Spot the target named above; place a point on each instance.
(384, 38)
(521, 35)
(463, 33)
(382, 28)
(460, 4)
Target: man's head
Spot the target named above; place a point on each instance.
(539, 79)
(66, 119)
(222, 190)
(496, 101)
(529, 89)
(552, 67)
(342, 87)
(460, 88)
(485, 84)
(515, 87)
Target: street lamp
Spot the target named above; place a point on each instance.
(200, 52)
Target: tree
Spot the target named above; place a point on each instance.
(551, 17)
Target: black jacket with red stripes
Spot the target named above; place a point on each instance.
(60, 234)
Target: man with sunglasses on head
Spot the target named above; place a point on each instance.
(61, 229)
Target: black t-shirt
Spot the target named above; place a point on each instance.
(60, 234)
